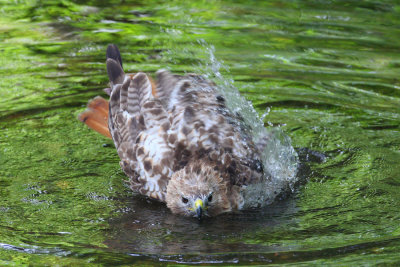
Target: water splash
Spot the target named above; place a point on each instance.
(279, 157)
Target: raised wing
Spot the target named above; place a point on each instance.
(138, 124)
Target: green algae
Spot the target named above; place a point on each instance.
(326, 72)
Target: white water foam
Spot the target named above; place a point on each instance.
(279, 157)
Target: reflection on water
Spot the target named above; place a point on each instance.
(151, 229)
(324, 72)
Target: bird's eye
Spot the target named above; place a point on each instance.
(209, 198)
(184, 200)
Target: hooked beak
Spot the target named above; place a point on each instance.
(199, 206)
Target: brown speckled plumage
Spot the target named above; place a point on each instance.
(178, 142)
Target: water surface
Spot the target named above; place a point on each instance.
(325, 72)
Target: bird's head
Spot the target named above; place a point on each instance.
(198, 190)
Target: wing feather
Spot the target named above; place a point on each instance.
(138, 124)
(165, 83)
(115, 72)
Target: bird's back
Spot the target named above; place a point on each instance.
(159, 128)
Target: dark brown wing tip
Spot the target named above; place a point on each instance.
(162, 71)
(140, 76)
(115, 72)
(140, 80)
(162, 74)
(113, 52)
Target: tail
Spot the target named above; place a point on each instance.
(96, 116)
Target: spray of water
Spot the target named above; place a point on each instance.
(279, 158)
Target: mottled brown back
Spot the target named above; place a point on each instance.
(188, 121)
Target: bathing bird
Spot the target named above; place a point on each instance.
(178, 142)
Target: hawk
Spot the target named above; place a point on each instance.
(178, 142)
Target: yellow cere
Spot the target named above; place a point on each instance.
(199, 203)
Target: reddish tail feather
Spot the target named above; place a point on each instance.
(96, 116)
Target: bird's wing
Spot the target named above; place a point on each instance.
(138, 124)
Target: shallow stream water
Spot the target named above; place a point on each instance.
(323, 73)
